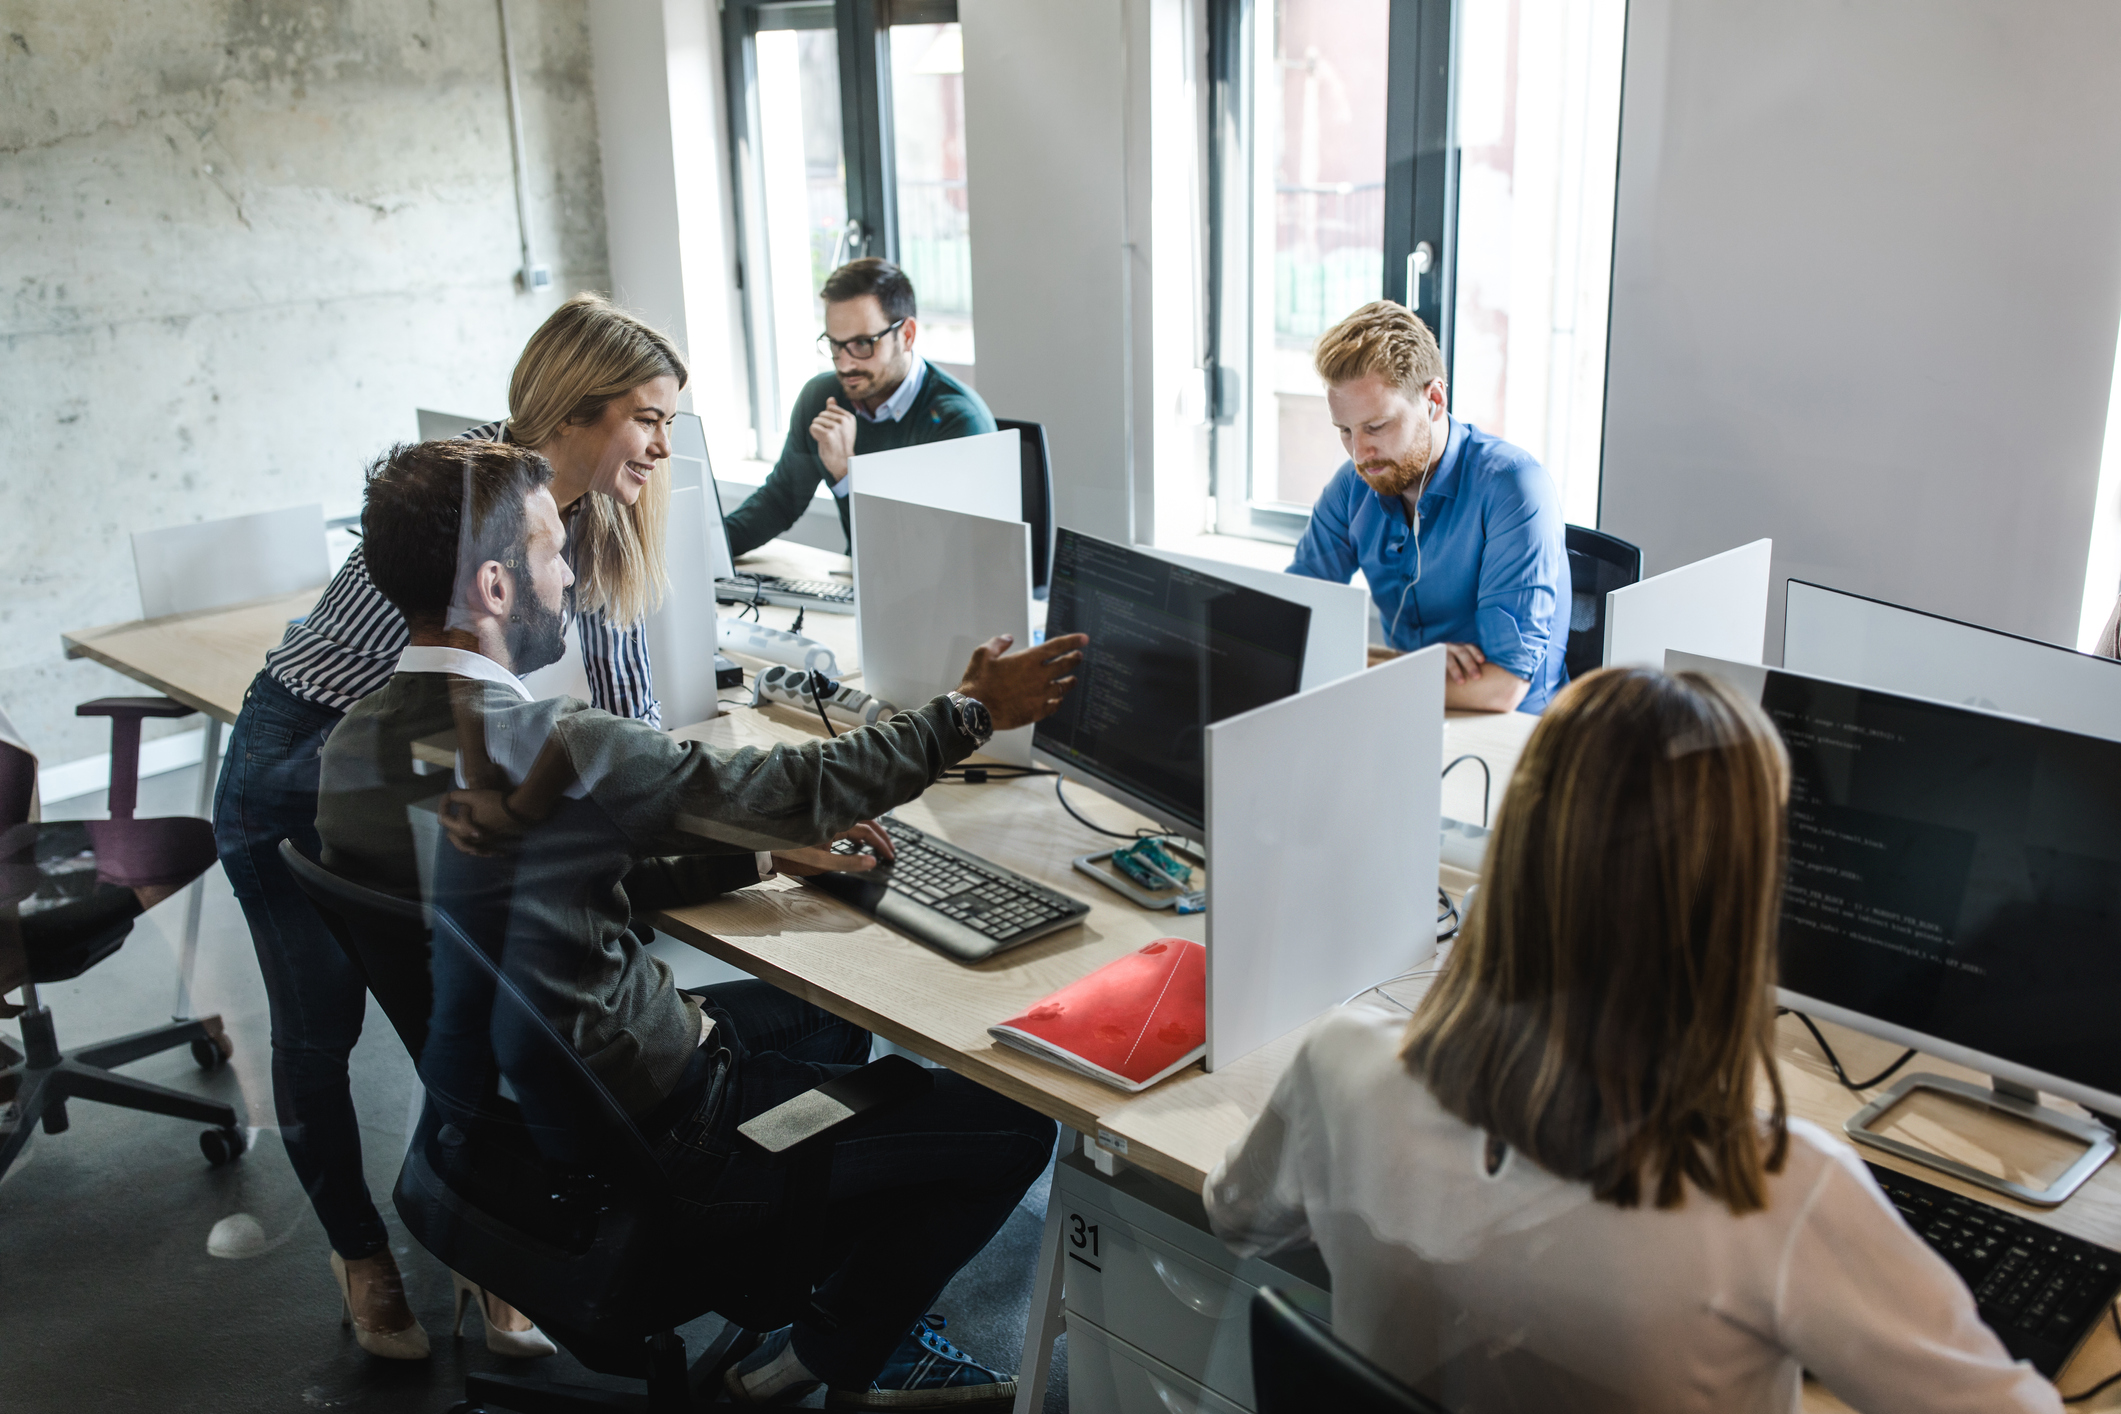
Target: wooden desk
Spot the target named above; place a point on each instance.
(831, 955)
(203, 660)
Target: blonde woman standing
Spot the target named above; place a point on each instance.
(594, 392)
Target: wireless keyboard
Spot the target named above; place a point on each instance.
(949, 898)
(827, 595)
(2042, 1291)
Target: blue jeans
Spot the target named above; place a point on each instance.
(268, 792)
(917, 1188)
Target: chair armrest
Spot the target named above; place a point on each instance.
(125, 714)
(817, 1112)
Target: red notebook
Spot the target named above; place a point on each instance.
(1130, 1023)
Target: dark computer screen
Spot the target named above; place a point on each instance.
(1954, 873)
(1171, 650)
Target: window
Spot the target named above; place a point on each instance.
(849, 138)
(1362, 149)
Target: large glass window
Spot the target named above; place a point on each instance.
(1538, 125)
(928, 139)
(803, 181)
(1455, 155)
(849, 136)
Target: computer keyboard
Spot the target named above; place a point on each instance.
(949, 898)
(2042, 1291)
(827, 594)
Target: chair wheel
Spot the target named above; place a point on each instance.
(208, 1055)
(222, 1146)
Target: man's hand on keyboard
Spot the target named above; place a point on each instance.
(825, 860)
(1023, 687)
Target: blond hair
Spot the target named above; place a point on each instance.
(1381, 338)
(1613, 993)
(586, 353)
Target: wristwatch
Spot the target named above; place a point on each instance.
(972, 718)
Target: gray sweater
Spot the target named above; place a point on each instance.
(651, 823)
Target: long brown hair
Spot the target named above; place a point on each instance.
(587, 352)
(1613, 990)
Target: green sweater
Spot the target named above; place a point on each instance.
(942, 409)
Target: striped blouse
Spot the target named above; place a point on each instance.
(348, 645)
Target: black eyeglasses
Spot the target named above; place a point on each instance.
(861, 345)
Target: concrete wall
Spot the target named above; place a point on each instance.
(240, 240)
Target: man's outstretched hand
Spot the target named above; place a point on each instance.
(1023, 687)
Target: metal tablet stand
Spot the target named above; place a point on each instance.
(2006, 1097)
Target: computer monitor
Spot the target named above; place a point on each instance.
(1954, 886)
(1830, 633)
(441, 426)
(689, 466)
(1171, 650)
(1037, 478)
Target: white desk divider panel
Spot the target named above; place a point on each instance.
(930, 585)
(981, 475)
(1338, 642)
(1322, 849)
(1829, 634)
(688, 467)
(215, 563)
(1717, 606)
(681, 634)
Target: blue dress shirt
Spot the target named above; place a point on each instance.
(1491, 563)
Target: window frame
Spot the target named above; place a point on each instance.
(1420, 200)
(863, 43)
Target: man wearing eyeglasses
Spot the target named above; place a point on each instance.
(880, 396)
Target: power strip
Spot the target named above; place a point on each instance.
(773, 645)
(850, 705)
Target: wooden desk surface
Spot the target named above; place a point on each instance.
(832, 955)
(204, 660)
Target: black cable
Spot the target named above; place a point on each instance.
(2105, 1384)
(1062, 797)
(819, 698)
(1448, 910)
(800, 610)
(1487, 782)
(980, 775)
(1835, 1061)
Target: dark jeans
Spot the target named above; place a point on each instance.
(917, 1189)
(268, 792)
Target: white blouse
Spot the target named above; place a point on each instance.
(1518, 1291)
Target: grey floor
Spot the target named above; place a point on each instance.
(109, 1299)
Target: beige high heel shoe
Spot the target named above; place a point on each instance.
(531, 1344)
(407, 1344)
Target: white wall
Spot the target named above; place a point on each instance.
(666, 195)
(1867, 277)
(239, 244)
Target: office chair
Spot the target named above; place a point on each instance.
(1298, 1365)
(1038, 498)
(1598, 564)
(554, 1200)
(68, 888)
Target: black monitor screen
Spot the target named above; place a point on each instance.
(1954, 873)
(1171, 650)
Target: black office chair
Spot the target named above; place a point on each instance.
(554, 1200)
(1038, 498)
(68, 888)
(1298, 1366)
(1598, 564)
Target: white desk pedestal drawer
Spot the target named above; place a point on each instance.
(1139, 1263)
(1106, 1375)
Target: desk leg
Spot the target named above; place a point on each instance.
(188, 952)
(1045, 1321)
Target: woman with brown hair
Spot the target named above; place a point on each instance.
(594, 392)
(1556, 1188)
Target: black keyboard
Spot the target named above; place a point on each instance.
(772, 589)
(2039, 1289)
(949, 898)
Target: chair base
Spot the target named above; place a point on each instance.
(672, 1386)
(41, 1081)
